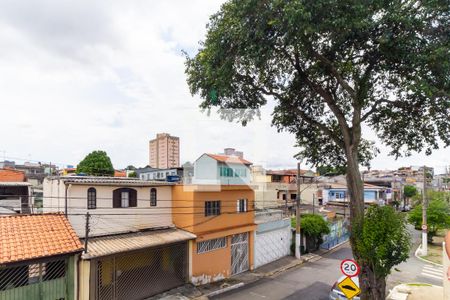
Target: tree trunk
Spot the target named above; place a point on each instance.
(373, 287)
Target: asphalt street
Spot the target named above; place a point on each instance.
(314, 280)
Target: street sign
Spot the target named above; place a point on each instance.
(349, 268)
(424, 227)
(349, 288)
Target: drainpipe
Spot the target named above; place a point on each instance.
(65, 199)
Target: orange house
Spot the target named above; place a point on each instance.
(222, 218)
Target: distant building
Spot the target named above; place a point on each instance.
(14, 192)
(171, 175)
(221, 169)
(164, 151)
(338, 192)
(275, 188)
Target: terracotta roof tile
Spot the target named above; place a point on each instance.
(11, 175)
(229, 159)
(24, 237)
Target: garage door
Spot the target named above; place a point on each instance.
(271, 245)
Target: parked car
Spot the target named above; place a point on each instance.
(337, 294)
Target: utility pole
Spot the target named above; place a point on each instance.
(86, 235)
(424, 215)
(297, 212)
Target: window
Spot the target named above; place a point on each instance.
(284, 196)
(210, 245)
(293, 196)
(226, 172)
(153, 197)
(242, 205)
(212, 208)
(125, 199)
(92, 198)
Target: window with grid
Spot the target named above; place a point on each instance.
(242, 205)
(153, 195)
(212, 208)
(92, 198)
(210, 245)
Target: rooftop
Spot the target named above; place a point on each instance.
(25, 237)
(229, 159)
(115, 181)
(11, 175)
(107, 245)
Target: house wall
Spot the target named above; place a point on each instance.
(105, 219)
(216, 265)
(84, 279)
(206, 170)
(190, 216)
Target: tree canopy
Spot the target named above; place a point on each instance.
(96, 163)
(330, 67)
(384, 239)
(409, 191)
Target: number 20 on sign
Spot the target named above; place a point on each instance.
(349, 268)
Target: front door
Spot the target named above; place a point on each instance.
(239, 253)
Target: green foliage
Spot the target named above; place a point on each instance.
(331, 65)
(330, 170)
(130, 167)
(312, 225)
(132, 174)
(438, 215)
(96, 163)
(383, 240)
(409, 191)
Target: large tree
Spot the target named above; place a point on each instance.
(331, 66)
(96, 163)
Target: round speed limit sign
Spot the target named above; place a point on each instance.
(349, 268)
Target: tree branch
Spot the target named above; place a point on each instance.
(335, 73)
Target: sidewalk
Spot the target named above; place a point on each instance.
(416, 291)
(189, 291)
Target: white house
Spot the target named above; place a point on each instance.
(116, 205)
(221, 170)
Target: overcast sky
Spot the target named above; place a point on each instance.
(109, 75)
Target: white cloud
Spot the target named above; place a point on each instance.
(82, 75)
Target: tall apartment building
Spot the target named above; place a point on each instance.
(164, 151)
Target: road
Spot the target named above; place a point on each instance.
(313, 280)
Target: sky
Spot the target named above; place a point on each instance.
(108, 75)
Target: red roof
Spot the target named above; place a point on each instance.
(289, 172)
(229, 159)
(11, 175)
(25, 237)
(120, 173)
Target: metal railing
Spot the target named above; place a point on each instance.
(44, 280)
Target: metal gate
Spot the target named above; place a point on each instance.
(272, 245)
(239, 253)
(141, 274)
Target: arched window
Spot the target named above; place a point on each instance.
(153, 197)
(92, 198)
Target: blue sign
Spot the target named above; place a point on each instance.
(173, 178)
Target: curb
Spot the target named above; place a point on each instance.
(423, 259)
(224, 290)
